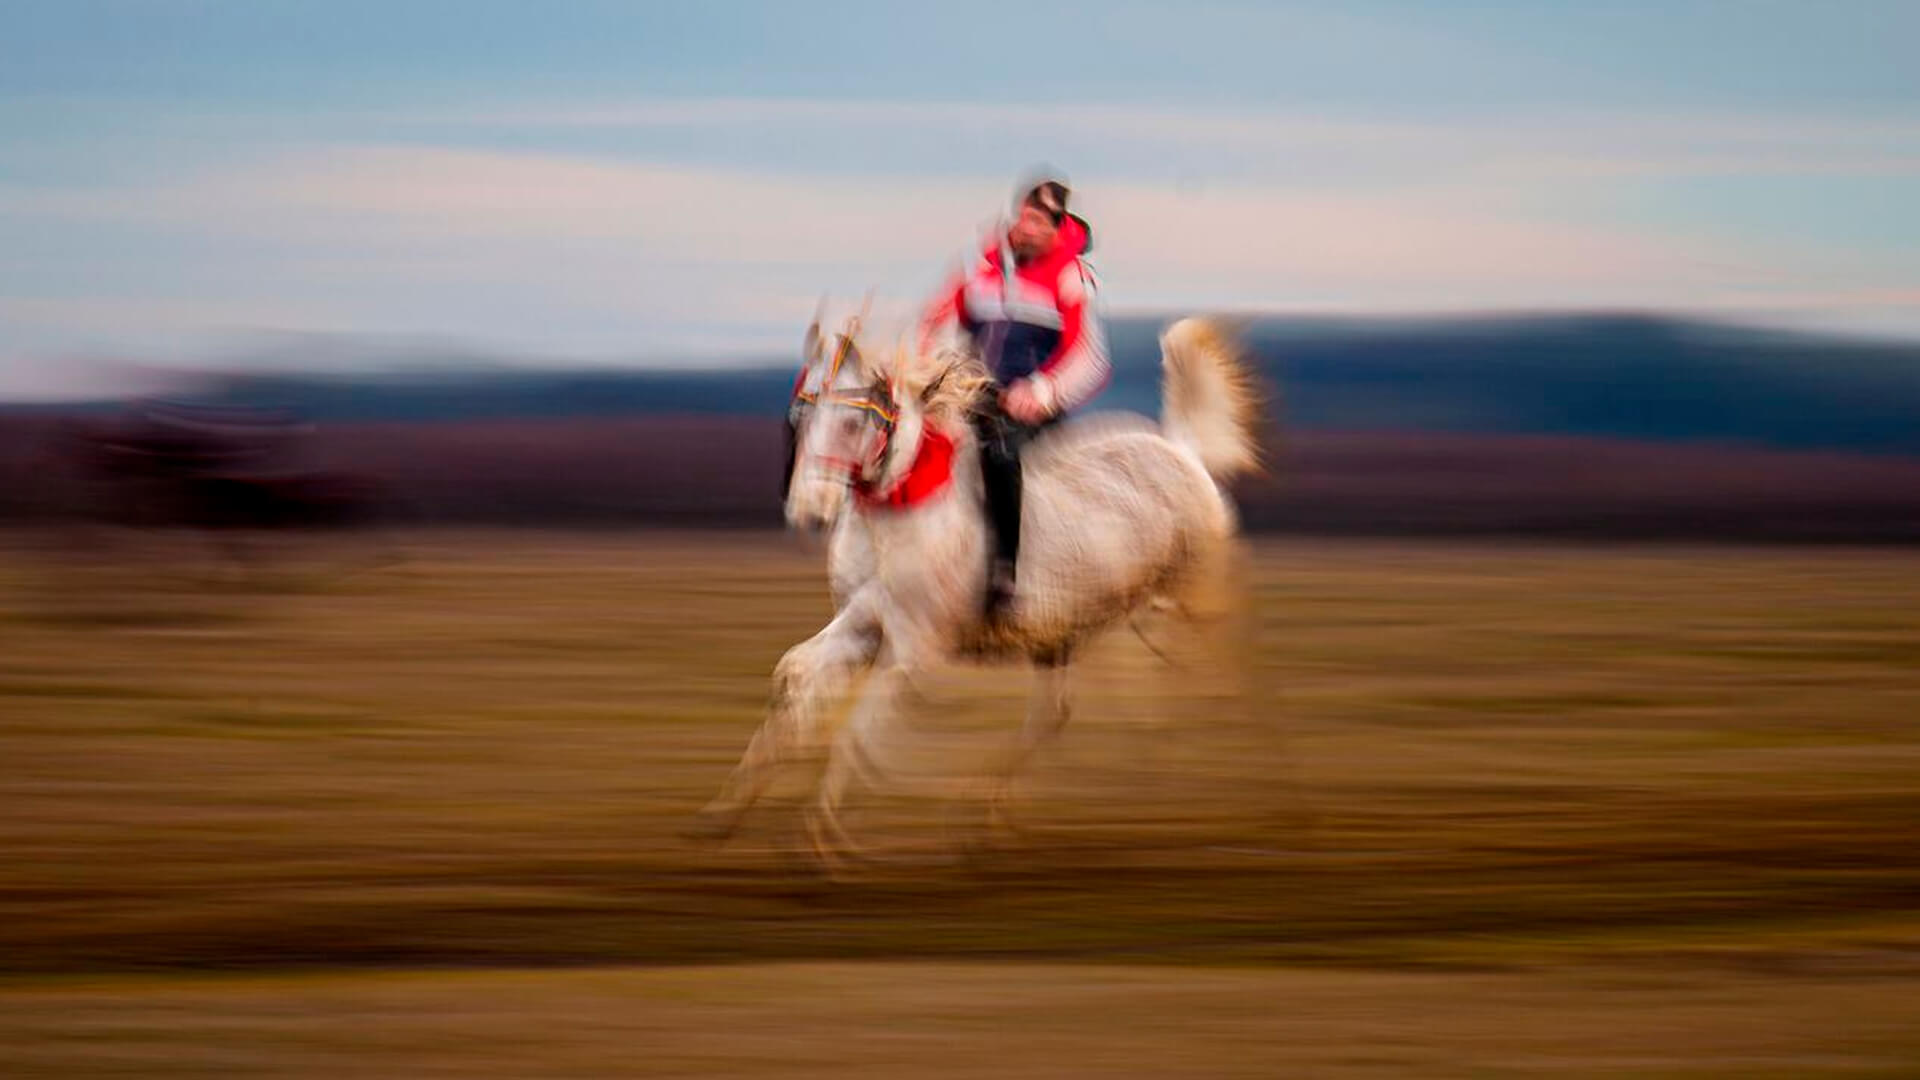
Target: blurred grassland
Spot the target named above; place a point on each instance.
(1448, 760)
(483, 754)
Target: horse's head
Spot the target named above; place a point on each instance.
(852, 427)
(859, 418)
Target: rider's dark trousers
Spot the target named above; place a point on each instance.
(1001, 439)
(793, 450)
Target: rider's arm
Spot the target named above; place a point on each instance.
(1078, 368)
(948, 308)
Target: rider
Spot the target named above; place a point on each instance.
(1027, 303)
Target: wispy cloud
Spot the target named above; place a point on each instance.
(1537, 141)
(594, 232)
(603, 227)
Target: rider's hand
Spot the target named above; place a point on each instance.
(1022, 402)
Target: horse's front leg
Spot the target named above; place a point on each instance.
(805, 682)
(856, 754)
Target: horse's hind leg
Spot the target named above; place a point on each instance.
(1048, 709)
(1202, 626)
(805, 681)
(1222, 609)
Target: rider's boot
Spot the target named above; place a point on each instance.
(1000, 579)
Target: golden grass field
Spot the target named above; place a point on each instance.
(1479, 810)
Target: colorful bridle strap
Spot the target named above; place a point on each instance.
(864, 400)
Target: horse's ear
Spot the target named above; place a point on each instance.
(864, 363)
(849, 339)
(812, 346)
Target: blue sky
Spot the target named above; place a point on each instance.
(628, 181)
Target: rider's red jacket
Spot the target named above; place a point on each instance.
(1037, 321)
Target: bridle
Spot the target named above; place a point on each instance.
(876, 400)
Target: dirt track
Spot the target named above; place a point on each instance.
(1519, 810)
(955, 1020)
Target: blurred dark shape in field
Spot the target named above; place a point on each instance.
(238, 478)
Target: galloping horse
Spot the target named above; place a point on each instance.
(1118, 515)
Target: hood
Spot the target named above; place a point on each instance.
(1076, 236)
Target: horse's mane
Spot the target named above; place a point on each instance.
(956, 379)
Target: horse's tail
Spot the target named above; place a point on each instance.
(1210, 399)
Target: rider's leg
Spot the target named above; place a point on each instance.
(1000, 471)
(793, 450)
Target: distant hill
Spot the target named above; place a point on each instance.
(1627, 376)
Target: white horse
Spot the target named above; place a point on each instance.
(1118, 514)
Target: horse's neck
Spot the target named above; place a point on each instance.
(913, 532)
(966, 462)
